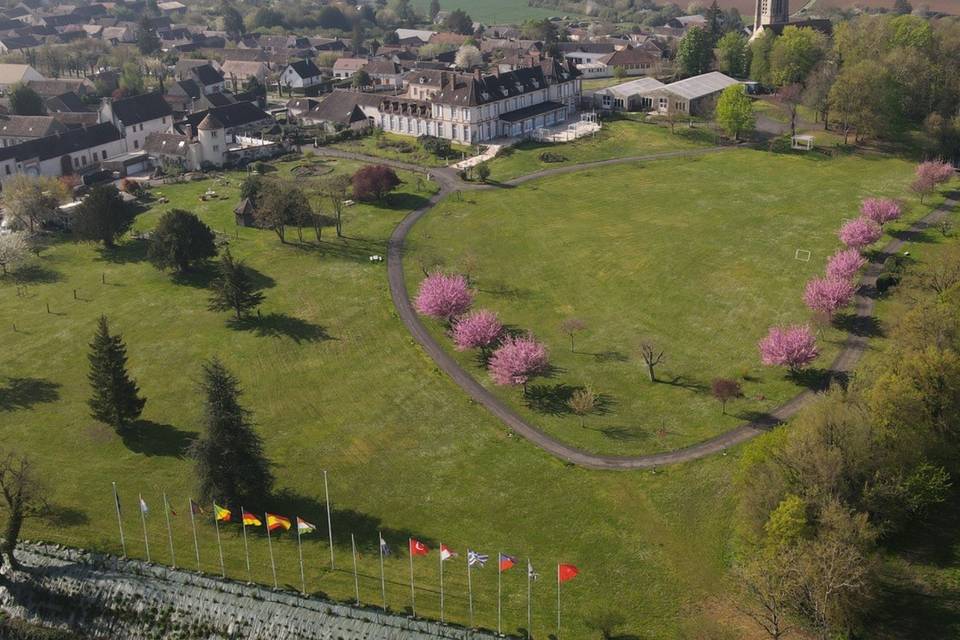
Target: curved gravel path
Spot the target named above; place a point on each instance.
(853, 348)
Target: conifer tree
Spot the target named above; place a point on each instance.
(116, 398)
(230, 462)
(233, 289)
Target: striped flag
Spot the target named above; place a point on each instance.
(475, 559)
(275, 522)
(251, 520)
(305, 527)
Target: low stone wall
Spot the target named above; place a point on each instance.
(102, 596)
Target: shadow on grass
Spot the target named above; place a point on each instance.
(609, 356)
(906, 235)
(684, 382)
(553, 399)
(622, 434)
(863, 326)
(202, 275)
(814, 379)
(346, 248)
(758, 419)
(33, 274)
(23, 393)
(64, 516)
(154, 439)
(505, 290)
(127, 252)
(281, 325)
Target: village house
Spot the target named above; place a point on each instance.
(11, 74)
(75, 151)
(137, 117)
(301, 74)
(238, 73)
(16, 129)
(346, 67)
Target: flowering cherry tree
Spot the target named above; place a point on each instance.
(860, 233)
(844, 264)
(443, 296)
(880, 210)
(793, 347)
(478, 330)
(935, 171)
(827, 296)
(518, 359)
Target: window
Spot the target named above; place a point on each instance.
(8, 169)
(136, 144)
(83, 160)
(104, 155)
(216, 148)
(76, 163)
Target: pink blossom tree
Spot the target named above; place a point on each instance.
(477, 330)
(443, 296)
(518, 359)
(824, 295)
(923, 186)
(860, 233)
(793, 347)
(844, 264)
(935, 171)
(880, 210)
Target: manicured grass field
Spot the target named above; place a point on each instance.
(393, 147)
(335, 382)
(696, 255)
(618, 138)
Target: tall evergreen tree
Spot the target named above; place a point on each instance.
(147, 40)
(116, 399)
(233, 289)
(179, 241)
(714, 23)
(230, 462)
(695, 53)
(103, 216)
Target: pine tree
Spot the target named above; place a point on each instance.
(116, 399)
(233, 289)
(230, 462)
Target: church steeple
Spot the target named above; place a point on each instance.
(770, 12)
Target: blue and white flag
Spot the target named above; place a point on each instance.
(533, 575)
(143, 507)
(384, 549)
(475, 559)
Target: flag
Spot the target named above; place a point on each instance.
(116, 498)
(533, 575)
(417, 548)
(506, 562)
(195, 509)
(275, 522)
(446, 552)
(251, 520)
(305, 527)
(475, 559)
(384, 549)
(566, 572)
(221, 514)
(143, 507)
(172, 512)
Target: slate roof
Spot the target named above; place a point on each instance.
(173, 144)
(207, 75)
(29, 126)
(343, 106)
(59, 86)
(232, 116)
(61, 144)
(19, 42)
(472, 91)
(700, 86)
(382, 67)
(626, 57)
(187, 88)
(142, 108)
(528, 112)
(306, 69)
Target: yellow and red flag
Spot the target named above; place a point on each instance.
(221, 514)
(275, 522)
(251, 520)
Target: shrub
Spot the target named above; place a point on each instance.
(550, 157)
(373, 182)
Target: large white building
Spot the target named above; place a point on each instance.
(471, 108)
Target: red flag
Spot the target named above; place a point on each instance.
(417, 548)
(566, 572)
(506, 562)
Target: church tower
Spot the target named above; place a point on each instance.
(770, 12)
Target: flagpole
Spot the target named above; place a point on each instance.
(529, 568)
(216, 525)
(558, 602)
(196, 545)
(413, 593)
(246, 549)
(441, 582)
(499, 580)
(143, 521)
(469, 589)
(326, 489)
(166, 513)
(356, 579)
(383, 582)
(303, 580)
(273, 567)
(116, 503)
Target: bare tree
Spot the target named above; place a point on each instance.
(770, 591)
(571, 327)
(791, 96)
(582, 403)
(652, 356)
(23, 496)
(336, 190)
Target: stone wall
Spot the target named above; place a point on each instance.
(104, 596)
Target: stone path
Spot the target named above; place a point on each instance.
(853, 348)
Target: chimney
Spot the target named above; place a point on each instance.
(453, 81)
(443, 80)
(477, 75)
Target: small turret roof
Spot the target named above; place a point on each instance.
(210, 123)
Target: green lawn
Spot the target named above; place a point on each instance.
(402, 148)
(618, 138)
(695, 255)
(335, 382)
